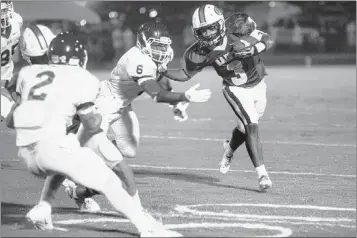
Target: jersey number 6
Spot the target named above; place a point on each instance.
(139, 69)
(48, 77)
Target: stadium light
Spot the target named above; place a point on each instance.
(142, 10)
(153, 13)
(113, 14)
(272, 4)
(83, 22)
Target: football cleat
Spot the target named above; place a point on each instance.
(265, 182)
(84, 204)
(225, 163)
(40, 217)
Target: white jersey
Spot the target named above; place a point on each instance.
(9, 42)
(50, 96)
(132, 69)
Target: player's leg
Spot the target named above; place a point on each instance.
(40, 215)
(260, 105)
(126, 134)
(242, 100)
(100, 144)
(238, 135)
(84, 167)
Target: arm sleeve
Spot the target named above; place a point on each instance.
(179, 75)
(264, 43)
(161, 95)
(194, 61)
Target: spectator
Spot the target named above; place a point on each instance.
(351, 33)
(128, 37)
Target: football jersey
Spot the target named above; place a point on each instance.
(132, 69)
(50, 96)
(245, 72)
(9, 41)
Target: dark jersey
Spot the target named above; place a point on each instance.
(245, 72)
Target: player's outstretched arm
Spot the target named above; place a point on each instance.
(179, 75)
(161, 95)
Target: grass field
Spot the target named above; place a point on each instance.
(309, 141)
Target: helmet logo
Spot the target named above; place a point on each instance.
(217, 11)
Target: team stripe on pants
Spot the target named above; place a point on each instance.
(236, 105)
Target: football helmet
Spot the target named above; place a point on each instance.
(7, 10)
(153, 39)
(35, 41)
(68, 48)
(208, 17)
(240, 24)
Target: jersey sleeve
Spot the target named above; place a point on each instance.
(88, 86)
(194, 61)
(141, 70)
(18, 19)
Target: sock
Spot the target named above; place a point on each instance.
(136, 199)
(261, 171)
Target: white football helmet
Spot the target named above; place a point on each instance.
(35, 41)
(208, 17)
(153, 39)
(7, 10)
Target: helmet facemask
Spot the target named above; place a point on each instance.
(214, 38)
(157, 49)
(7, 11)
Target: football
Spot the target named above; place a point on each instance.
(244, 42)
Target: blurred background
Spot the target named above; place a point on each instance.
(310, 33)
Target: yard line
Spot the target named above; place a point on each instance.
(266, 141)
(220, 140)
(243, 171)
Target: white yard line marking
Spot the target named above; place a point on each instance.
(283, 232)
(242, 171)
(191, 209)
(221, 140)
(266, 141)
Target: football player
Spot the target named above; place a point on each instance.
(11, 24)
(232, 48)
(40, 120)
(137, 71)
(34, 46)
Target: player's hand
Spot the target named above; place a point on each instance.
(194, 95)
(179, 111)
(246, 52)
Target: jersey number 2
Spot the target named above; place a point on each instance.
(48, 77)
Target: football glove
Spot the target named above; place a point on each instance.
(179, 111)
(194, 95)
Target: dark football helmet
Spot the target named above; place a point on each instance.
(153, 39)
(68, 48)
